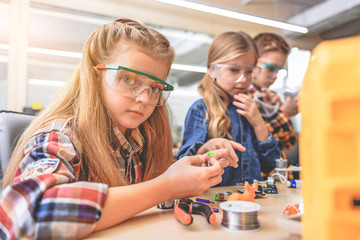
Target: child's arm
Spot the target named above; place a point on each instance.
(185, 178)
(47, 195)
(64, 203)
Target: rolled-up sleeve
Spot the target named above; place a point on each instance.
(46, 200)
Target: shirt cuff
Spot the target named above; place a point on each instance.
(191, 151)
(269, 142)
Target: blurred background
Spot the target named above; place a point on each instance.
(41, 40)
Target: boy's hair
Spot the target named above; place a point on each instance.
(226, 46)
(266, 42)
(82, 98)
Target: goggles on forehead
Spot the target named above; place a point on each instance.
(167, 87)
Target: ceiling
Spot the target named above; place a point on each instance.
(320, 16)
(65, 25)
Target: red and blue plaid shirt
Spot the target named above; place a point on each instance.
(46, 200)
(279, 124)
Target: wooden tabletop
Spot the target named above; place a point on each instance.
(157, 224)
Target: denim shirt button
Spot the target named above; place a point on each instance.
(245, 166)
(244, 139)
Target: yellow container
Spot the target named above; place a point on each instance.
(330, 141)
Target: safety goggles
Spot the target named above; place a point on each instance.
(274, 69)
(131, 83)
(233, 72)
(271, 67)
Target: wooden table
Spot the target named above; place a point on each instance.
(157, 224)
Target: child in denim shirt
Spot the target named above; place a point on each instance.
(227, 111)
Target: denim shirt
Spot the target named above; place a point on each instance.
(259, 156)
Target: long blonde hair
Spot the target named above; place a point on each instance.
(225, 46)
(82, 98)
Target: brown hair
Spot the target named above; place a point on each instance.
(82, 98)
(225, 46)
(266, 42)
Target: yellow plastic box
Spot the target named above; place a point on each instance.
(330, 141)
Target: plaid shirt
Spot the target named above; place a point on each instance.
(46, 200)
(279, 124)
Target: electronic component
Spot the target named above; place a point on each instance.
(270, 189)
(221, 196)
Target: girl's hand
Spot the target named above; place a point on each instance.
(270, 97)
(290, 106)
(187, 177)
(224, 151)
(248, 108)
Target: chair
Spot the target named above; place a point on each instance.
(12, 124)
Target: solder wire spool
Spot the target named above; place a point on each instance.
(240, 215)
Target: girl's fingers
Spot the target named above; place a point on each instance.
(223, 152)
(196, 160)
(240, 105)
(224, 162)
(214, 168)
(226, 156)
(237, 146)
(215, 180)
(232, 153)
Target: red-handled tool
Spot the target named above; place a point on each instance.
(185, 207)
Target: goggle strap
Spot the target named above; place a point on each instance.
(271, 65)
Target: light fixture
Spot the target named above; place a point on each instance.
(4, 46)
(45, 51)
(186, 35)
(42, 82)
(54, 52)
(190, 68)
(70, 16)
(236, 15)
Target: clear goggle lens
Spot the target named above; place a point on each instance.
(235, 73)
(132, 85)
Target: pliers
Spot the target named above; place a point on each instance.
(186, 206)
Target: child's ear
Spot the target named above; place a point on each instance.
(211, 72)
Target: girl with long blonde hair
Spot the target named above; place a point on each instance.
(227, 111)
(74, 169)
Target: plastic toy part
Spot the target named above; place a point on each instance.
(248, 195)
(291, 209)
(207, 158)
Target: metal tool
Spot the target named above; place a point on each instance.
(169, 204)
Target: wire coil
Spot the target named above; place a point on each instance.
(240, 215)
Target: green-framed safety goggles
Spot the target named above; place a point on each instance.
(167, 87)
